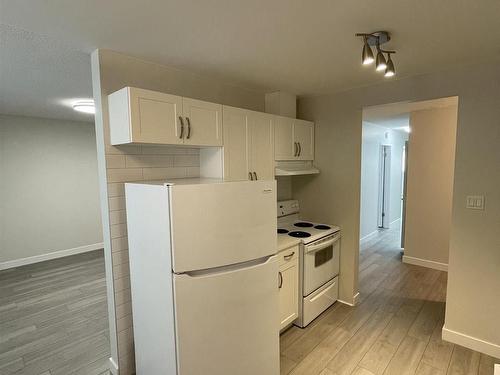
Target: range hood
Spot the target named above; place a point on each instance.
(294, 168)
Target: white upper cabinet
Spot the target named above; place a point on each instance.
(248, 145)
(144, 116)
(303, 135)
(294, 139)
(203, 122)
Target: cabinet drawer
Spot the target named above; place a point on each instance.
(288, 256)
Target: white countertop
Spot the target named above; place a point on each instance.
(285, 241)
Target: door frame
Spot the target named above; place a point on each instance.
(384, 186)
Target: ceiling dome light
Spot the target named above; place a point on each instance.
(380, 63)
(85, 106)
(389, 71)
(367, 55)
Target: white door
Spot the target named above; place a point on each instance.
(227, 322)
(203, 123)
(218, 224)
(155, 117)
(235, 144)
(284, 146)
(304, 137)
(261, 145)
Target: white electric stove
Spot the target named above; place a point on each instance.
(319, 260)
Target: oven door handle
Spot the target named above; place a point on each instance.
(313, 248)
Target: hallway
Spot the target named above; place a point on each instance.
(395, 329)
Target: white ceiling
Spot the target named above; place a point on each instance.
(303, 47)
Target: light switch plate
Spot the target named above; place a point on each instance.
(475, 202)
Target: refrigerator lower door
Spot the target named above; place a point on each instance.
(215, 225)
(227, 321)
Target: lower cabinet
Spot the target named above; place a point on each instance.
(288, 285)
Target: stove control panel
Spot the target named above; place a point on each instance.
(288, 207)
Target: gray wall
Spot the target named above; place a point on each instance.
(48, 187)
(373, 138)
(334, 195)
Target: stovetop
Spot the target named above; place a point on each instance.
(307, 231)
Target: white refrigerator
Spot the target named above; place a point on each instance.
(204, 280)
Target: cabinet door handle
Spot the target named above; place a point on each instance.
(182, 127)
(289, 256)
(255, 175)
(280, 280)
(250, 176)
(300, 148)
(296, 149)
(189, 128)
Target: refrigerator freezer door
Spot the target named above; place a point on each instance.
(220, 224)
(227, 322)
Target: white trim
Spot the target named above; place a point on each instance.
(470, 342)
(497, 369)
(355, 299)
(113, 367)
(52, 255)
(425, 263)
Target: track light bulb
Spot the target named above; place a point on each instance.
(380, 63)
(367, 55)
(389, 71)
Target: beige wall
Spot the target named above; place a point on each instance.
(333, 196)
(110, 72)
(431, 162)
(49, 200)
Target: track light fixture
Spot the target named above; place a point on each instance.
(381, 63)
(367, 54)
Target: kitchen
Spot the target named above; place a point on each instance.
(290, 272)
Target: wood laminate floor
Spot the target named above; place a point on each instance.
(395, 329)
(53, 317)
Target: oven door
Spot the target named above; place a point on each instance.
(321, 262)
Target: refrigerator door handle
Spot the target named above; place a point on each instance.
(228, 268)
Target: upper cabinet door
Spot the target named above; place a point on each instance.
(284, 146)
(303, 134)
(203, 123)
(235, 144)
(143, 116)
(261, 145)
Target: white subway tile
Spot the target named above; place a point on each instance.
(163, 150)
(118, 230)
(164, 173)
(149, 161)
(115, 161)
(123, 150)
(116, 189)
(117, 217)
(116, 203)
(119, 244)
(124, 174)
(187, 160)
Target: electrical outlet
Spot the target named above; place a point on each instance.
(475, 202)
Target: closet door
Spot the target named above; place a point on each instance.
(236, 137)
(261, 146)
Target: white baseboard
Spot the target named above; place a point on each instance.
(354, 302)
(394, 221)
(425, 263)
(471, 342)
(49, 256)
(113, 367)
